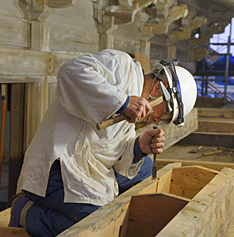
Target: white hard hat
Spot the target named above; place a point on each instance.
(182, 88)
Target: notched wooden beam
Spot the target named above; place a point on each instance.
(60, 3)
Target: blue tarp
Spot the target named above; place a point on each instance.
(203, 65)
(220, 63)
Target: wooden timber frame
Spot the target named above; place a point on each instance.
(182, 201)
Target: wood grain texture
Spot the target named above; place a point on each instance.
(14, 32)
(13, 232)
(16, 151)
(17, 62)
(223, 125)
(188, 181)
(209, 213)
(149, 214)
(108, 220)
(208, 139)
(161, 162)
(216, 112)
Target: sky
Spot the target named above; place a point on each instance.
(223, 38)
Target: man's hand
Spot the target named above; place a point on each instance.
(149, 144)
(137, 108)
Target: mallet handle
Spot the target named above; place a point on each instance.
(111, 121)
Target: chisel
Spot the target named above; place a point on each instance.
(201, 155)
(154, 168)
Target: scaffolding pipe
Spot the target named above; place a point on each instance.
(227, 63)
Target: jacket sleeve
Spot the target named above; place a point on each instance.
(90, 89)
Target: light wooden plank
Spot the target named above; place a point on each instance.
(5, 217)
(60, 3)
(17, 62)
(224, 125)
(36, 104)
(19, 79)
(208, 164)
(144, 61)
(31, 112)
(216, 113)
(43, 98)
(23, 62)
(68, 36)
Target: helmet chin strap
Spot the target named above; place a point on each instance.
(175, 90)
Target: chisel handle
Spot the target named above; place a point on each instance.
(111, 121)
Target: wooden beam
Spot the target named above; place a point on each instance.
(15, 32)
(144, 61)
(60, 3)
(205, 102)
(208, 164)
(215, 125)
(19, 79)
(209, 139)
(18, 62)
(215, 113)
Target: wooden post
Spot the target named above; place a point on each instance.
(16, 135)
(106, 41)
(3, 126)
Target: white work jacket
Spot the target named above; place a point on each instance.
(91, 88)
